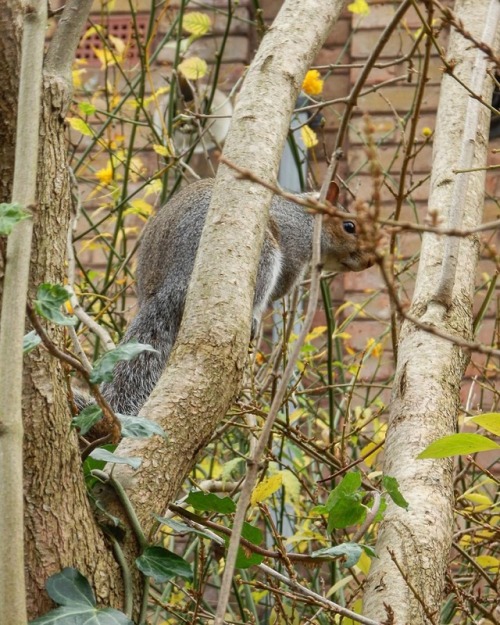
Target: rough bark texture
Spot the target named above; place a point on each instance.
(59, 523)
(427, 383)
(205, 367)
(60, 529)
(10, 25)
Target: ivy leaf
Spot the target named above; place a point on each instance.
(103, 368)
(162, 565)
(10, 215)
(352, 551)
(87, 418)
(70, 587)
(208, 502)
(245, 557)
(139, 427)
(456, 445)
(392, 487)
(30, 341)
(180, 528)
(107, 456)
(48, 302)
(80, 615)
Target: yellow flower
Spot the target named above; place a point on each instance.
(426, 131)
(359, 7)
(105, 176)
(309, 137)
(312, 85)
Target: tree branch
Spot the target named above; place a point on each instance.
(12, 588)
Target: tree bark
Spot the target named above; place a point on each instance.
(59, 523)
(17, 259)
(205, 367)
(426, 388)
(60, 529)
(10, 51)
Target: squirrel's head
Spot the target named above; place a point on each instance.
(345, 244)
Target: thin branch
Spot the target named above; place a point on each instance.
(62, 48)
(306, 592)
(254, 462)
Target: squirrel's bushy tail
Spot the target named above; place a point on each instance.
(157, 324)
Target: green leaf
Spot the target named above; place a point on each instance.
(48, 302)
(392, 487)
(103, 368)
(87, 418)
(180, 528)
(344, 503)
(91, 463)
(489, 421)
(162, 564)
(381, 510)
(139, 427)
(369, 551)
(352, 551)
(70, 587)
(321, 509)
(246, 558)
(107, 456)
(86, 108)
(456, 445)
(10, 215)
(80, 126)
(30, 341)
(208, 502)
(80, 615)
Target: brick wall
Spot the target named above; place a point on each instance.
(341, 59)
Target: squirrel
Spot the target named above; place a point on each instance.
(166, 259)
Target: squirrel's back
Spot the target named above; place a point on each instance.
(166, 259)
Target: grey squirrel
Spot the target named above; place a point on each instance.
(166, 258)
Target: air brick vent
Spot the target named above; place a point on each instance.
(120, 26)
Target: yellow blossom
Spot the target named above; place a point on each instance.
(309, 137)
(312, 85)
(105, 175)
(359, 7)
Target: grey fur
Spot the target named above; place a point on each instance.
(166, 259)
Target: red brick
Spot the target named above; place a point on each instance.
(375, 306)
(365, 281)
(381, 14)
(339, 34)
(362, 331)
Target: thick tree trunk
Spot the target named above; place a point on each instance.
(60, 529)
(427, 383)
(10, 49)
(59, 523)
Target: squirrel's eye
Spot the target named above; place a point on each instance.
(349, 227)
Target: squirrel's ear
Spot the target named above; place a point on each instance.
(333, 192)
